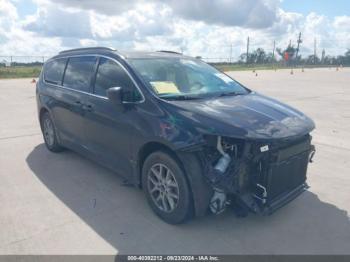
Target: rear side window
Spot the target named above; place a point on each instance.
(54, 69)
(78, 73)
(110, 74)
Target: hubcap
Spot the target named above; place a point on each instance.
(48, 132)
(163, 187)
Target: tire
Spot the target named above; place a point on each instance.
(162, 180)
(49, 133)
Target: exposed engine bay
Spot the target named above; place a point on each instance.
(256, 176)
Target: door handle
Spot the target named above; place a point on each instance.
(88, 107)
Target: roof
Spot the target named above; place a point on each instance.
(149, 54)
(124, 54)
(97, 48)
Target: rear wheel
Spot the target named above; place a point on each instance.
(49, 133)
(166, 188)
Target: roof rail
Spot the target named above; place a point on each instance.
(171, 52)
(101, 48)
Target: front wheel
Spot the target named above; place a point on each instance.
(166, 188)
(49, 133)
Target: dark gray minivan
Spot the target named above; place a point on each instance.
(193, 138)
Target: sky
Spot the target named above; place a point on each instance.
(211, 29)
(323, 7)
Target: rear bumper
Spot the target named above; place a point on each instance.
(284, 199)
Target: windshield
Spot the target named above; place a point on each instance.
(185, 78)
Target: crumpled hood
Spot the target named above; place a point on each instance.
(250, 116)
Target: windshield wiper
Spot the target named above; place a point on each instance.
(180, 97)
(233, 93)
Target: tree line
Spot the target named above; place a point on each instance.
(260, 56)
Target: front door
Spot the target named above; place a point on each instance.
(109, 127)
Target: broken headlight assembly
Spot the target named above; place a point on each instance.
(224, 161)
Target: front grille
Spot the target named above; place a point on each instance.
(286, 170)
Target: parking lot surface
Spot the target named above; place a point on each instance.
(66, 204)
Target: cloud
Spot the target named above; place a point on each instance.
(8, 9)
(327, 32)
(57, 21)
(108, 7)
(14, 40)
(342, 32)
(51, 21)
(342, 23)
(8, 15)
(142, 21)
(246, 13)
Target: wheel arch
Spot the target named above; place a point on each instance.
(149, 148)
(192, 168)
(42, 111)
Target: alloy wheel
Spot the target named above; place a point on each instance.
(49, 133)
(163, 187)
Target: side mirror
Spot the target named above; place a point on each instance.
(114, 94)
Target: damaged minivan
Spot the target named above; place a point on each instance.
(194, 139)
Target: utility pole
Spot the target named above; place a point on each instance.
(273, 50)
(247, 49)
(230, 53)
(299, 42)
(315, 51)
(323, 56)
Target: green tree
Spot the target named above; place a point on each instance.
(312, 59)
